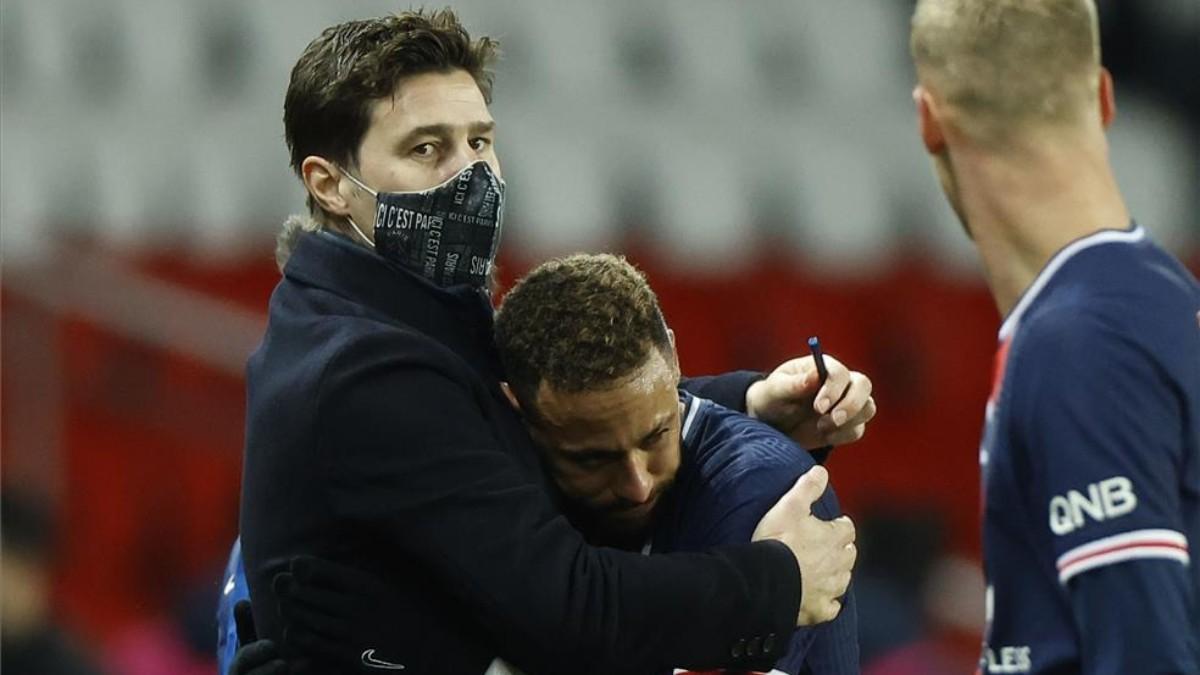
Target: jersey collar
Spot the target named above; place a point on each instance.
(691, 406)
(1134, 234)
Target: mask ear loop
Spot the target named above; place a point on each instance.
(365, 239)
(353, 224)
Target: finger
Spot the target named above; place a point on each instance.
(830, 610)
(834, 388)
(841, 584)
(788, 388)
(846, 557)
(282, 585)
(808, 489)
(865, 414)
(835, 434)
(795, 504)
(854, 399)
(253, 655)
(844, 530)
(243, 619)
(845, 435)
(276, 667)
(828, 424)
(801, 365)
(837, 607)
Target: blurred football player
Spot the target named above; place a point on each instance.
(1091, 452)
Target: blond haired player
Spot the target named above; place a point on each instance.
(1091, 453)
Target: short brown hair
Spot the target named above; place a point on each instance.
(326, 111)
(1007, 63)
(578, 323)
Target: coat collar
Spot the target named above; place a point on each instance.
(460, 317)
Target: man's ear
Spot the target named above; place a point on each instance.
(928, 121)
(512, 398)
(1108, 98)
(323, 180)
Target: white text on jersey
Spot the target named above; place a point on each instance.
(1107, 499)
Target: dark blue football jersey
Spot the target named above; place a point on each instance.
(1091, 467)
(732, 471)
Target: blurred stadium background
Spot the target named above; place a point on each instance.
(759, 159)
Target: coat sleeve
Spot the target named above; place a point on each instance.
(414, 460)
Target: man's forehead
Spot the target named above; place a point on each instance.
(451, 98)
(646, 397)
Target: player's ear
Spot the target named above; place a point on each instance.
(512, 398)
(324, 181)
(1108, 101)
(928, 121)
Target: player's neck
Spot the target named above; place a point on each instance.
(1025, 207)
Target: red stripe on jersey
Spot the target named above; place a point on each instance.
(998, 369)
(1144, 543)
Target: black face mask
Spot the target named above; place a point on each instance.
(448, 234)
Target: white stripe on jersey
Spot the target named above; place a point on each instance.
(501, 667)
(694, 408)
(1167, 544)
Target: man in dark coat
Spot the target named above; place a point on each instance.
(377, 435)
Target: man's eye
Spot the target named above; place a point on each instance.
(480, 143)
(590, 462)
(423, 150)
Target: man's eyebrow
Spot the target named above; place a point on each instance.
(477, 128)
(592, 453)
(442, 130)
(660, 427)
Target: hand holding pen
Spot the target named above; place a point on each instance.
(814, 399)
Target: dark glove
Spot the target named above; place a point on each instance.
(340, 619)
(254, 656)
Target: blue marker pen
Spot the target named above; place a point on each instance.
(814, 345)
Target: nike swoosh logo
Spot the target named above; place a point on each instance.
(229, 586)
(368, 659)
